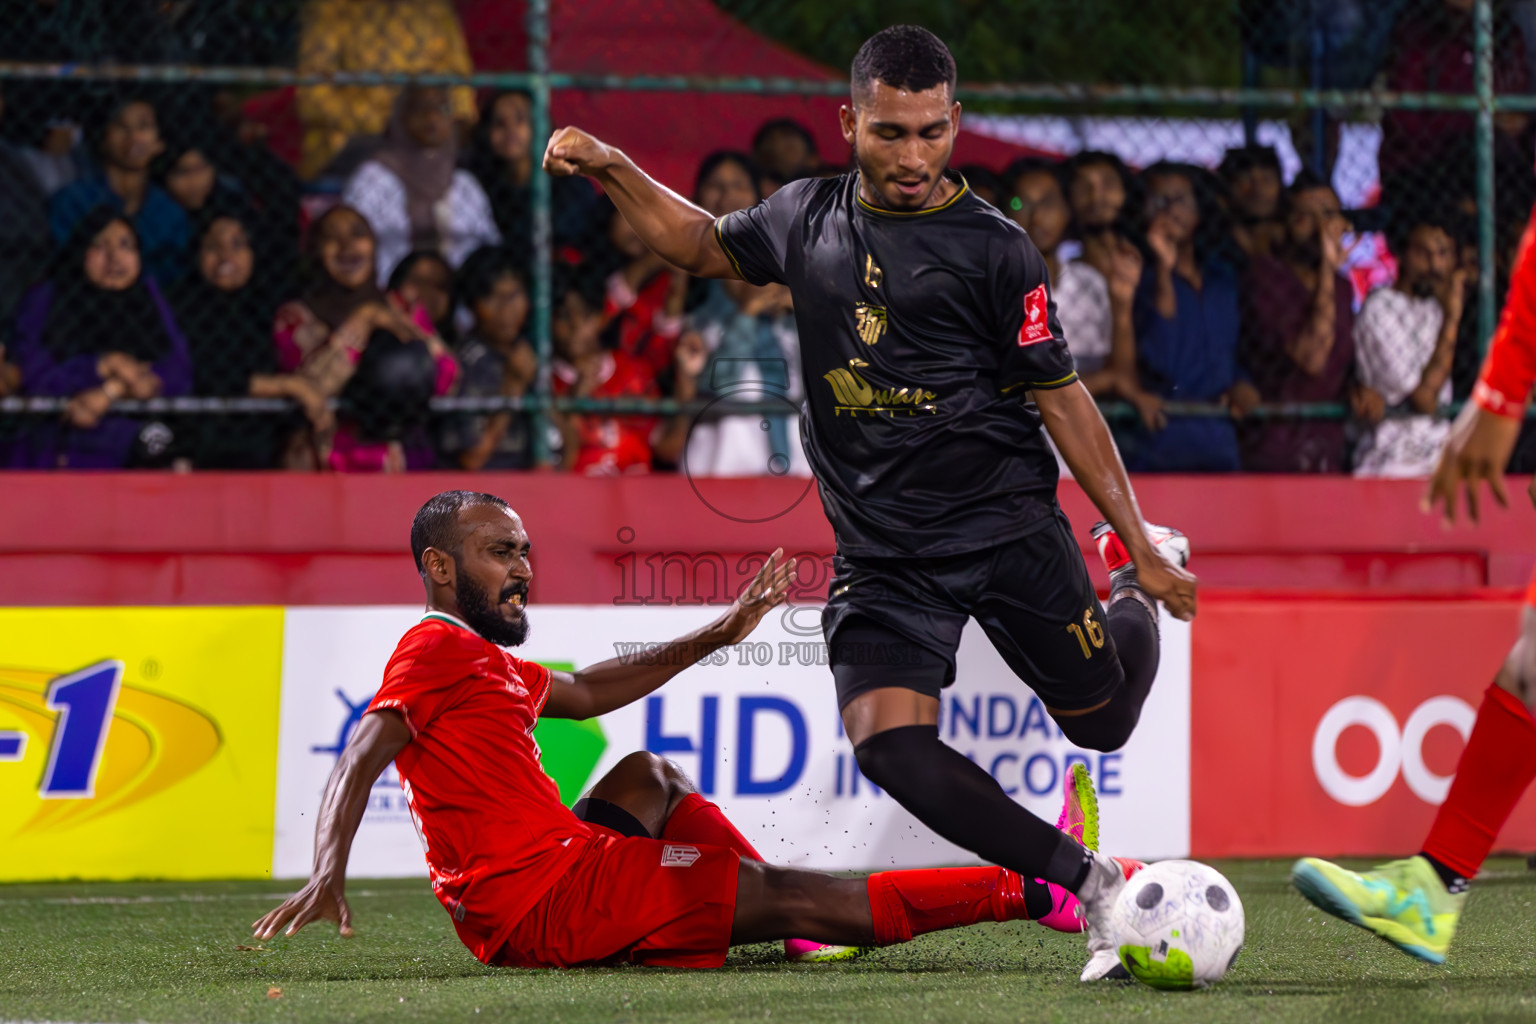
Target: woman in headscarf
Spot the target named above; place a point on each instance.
(501, 158)
(325, 335)
(208, 171)
(412, 190)
(225, 306)
(98, 330)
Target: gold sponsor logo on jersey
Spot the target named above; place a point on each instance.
(873, 275)
(869, 321)
(854, 394)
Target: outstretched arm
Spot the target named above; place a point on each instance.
(1485, 433)
(1085, 443)
(675, 229)
(608, 685)
(375, 742)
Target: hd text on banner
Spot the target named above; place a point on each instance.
(138, 742)
(755, 726)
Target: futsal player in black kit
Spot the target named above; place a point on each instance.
(932, 356)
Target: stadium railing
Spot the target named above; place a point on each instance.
(1248, 100)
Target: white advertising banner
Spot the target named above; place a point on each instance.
(756, 727)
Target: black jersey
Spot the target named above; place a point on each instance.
(920, 333)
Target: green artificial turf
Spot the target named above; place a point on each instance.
(167, 952)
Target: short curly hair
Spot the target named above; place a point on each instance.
(903, 57)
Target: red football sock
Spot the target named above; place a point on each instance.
(1497, 765)
(696, 820)
(908, 903)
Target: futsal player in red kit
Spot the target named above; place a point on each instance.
(644, 869)
(1416, 903)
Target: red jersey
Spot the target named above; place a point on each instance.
(1504, 386)
(613, 445)
(496, 835)
(645, 330)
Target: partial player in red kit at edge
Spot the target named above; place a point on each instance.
(644, 868)
(1415, 904)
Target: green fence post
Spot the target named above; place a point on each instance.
(1486, 228)
(538, 65)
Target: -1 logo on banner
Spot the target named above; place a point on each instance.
(85, 701)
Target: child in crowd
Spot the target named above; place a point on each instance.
(497, 360)
(605, 444)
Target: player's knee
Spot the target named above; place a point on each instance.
(643, 770)
(1104, 730)
(882, 756)
(664, 774)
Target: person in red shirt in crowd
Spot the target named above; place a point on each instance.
(646, 295)
(644, 298)
(603, 444)
(648, 871)
(1416, 903)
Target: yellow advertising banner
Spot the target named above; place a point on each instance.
(138, 742)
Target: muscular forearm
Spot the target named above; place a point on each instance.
(614, 683)
(675, 229)
(341, 812)
(1085, 443)
(374, 743)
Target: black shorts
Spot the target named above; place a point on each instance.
(897, 621)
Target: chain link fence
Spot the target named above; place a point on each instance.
(313, 234)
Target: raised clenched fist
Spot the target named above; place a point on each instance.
(572, 151)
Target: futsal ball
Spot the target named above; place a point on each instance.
(1178, 924)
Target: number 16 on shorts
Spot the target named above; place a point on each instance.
(1090, 632)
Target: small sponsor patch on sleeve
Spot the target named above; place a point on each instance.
(1036, 327)
(674, 856)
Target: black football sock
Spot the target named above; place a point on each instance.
(1125, 584)
(1455, 881)
(1138, 645)
(956, 798)
(1037, 900)
(1134, 628)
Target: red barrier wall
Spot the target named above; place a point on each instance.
(1320, 593)
(121, 538)
(1265, 676)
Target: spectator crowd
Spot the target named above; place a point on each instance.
(153, 248)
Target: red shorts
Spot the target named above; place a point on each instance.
(646, 901)
(1530, 595)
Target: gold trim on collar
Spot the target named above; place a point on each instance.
(946, 204)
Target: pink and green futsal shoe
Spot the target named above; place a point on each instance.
(804, 951)
(1079, 819)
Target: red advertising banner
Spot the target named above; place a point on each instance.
(1333, 726)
